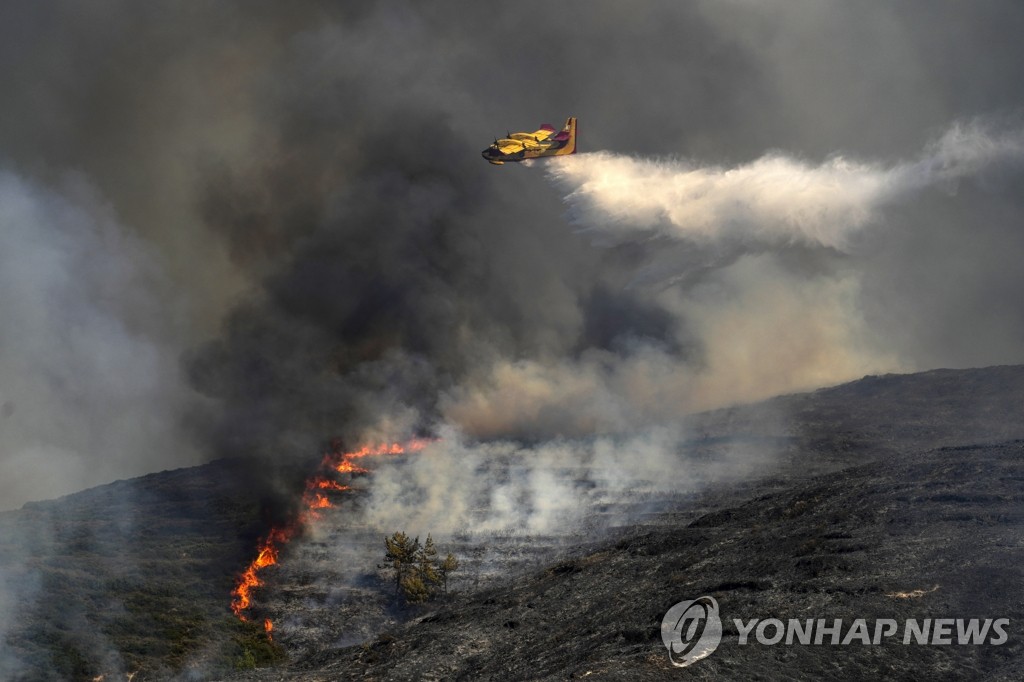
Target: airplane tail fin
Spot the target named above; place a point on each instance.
(570, 127)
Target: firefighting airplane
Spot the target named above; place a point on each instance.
(543, 142)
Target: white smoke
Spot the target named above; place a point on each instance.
(763, 331)
(774, 200)
(458, 485)
(762, 327)
(611, 419)
(89, 384)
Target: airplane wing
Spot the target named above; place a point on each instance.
(545, 141)
(536, 137)
(509, 146)
(545, 131)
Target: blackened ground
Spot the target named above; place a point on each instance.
(884, 485)
(948, 522)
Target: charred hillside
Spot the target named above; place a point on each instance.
(130, 576)
(926, 535)
(893, 497)
(884, 485)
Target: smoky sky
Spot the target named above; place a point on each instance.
(306, 233)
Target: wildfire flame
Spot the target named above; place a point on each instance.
(327, 484)
(266, 556)
(319, 501)
(312, 501)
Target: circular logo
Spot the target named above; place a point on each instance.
(691, 630)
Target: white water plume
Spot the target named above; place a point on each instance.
(774, 200)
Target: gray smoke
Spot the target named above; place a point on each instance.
(288, 234)
(89, 386)
(307, 182)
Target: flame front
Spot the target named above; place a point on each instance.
(327, 484)
(313, 499)
(267, 556)
(344, 463)
(319, 501)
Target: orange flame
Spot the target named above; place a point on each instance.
(327, 484)
(346, 467)
(343, 463)
(319, 501)
(312, 500)
(267, 556)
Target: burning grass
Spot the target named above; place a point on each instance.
(314, 498)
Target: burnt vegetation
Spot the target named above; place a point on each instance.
(884, 486)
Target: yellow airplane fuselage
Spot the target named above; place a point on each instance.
(546, 141)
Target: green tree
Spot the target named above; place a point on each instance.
(401, 555)
(449, 564)
(418, 571)
(426, 566)
(415, 589)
